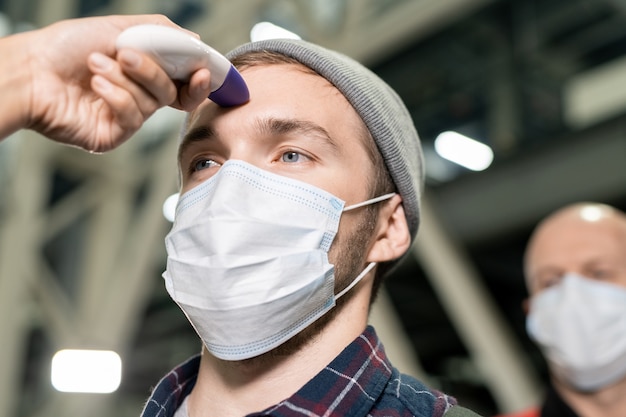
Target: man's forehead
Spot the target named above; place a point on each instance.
(261, 80)
(576, 242)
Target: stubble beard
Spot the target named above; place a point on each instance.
(349, 249)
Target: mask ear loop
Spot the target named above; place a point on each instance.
(370, 201)
(367, 269)
(371, 265)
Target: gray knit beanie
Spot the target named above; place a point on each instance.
(382, 110)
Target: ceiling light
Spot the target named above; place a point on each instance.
(266, 30)
(463, 151)
(169, 207)
(86, 371)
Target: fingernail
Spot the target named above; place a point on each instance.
(130, 58)
(100, 61)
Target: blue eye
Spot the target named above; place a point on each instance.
(552, 281)
(291, 156)
(601, 274)
(204, 164)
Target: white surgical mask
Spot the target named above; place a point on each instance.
(580, 325)
(248, 258)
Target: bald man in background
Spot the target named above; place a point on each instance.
(575, 268)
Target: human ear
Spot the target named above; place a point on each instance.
(392, 237)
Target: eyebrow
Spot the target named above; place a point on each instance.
(276, 127)
(195, 135)
(268, 126)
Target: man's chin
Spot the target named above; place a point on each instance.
(294, 345)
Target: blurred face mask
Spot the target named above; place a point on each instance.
(248, 258)
(580, 325)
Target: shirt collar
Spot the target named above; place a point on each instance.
(172, 389)
(349, 385)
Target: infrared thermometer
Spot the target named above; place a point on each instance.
(181, 54)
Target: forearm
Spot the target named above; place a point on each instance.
(15, 84)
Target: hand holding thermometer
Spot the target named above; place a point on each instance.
(181, 54)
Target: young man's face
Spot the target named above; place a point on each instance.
(296, 125)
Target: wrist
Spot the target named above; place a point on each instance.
(16, 80)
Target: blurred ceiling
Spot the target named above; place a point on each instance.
(81, 236)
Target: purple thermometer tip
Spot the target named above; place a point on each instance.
(232, 92)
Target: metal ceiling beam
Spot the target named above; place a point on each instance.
(20, 230)
(373, 38)
(367, 34)
(123, 245)
(48, 12)
(515, 194)
(502, 363)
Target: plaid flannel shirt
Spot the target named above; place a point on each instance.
(360, 382)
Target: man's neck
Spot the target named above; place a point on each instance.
(238, 388)
(606, 402)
